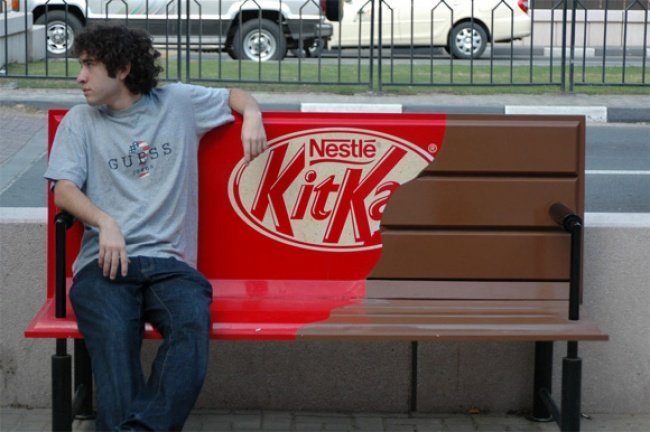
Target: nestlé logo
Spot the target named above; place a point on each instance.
(325, 189)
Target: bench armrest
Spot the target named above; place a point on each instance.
(62, 222)
(564, 216)
(65, 218)
(572, 223)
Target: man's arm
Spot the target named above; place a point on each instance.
(112, 246)
(253, 135)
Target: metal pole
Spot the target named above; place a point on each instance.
(563, 55)
(379, 44)
(61, 389)
(573, 46)
(414, 376)
(571, 383)
(179, 56)
(188, 33)
(543, 380)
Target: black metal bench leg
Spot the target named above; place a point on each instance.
(61, 388)
(413, 403)
(83, 382)
(571, 389)
(543, 381)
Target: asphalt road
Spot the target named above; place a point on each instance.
(618, 168)
(617, 164)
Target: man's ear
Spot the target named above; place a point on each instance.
(124, 72)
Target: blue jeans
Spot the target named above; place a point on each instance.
(175, 299)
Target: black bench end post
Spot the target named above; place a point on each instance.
(61, 360)
(61, 388)
(543, 381)
(571, 383)
(572, 363)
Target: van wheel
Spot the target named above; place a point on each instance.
(467, 40)
(259, 40)
(60, 30)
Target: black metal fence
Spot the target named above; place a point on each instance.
(378, 44)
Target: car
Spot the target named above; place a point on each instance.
(257, 30)
(463, 27)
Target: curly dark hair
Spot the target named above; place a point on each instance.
(118, 46)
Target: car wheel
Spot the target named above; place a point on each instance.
(259, 40)
(467, 40)
(60, 30)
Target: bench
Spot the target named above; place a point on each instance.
(377, 227)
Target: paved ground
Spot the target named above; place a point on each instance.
(262, 421)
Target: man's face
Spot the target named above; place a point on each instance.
(97, 86)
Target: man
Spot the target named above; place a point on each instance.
(125, 165)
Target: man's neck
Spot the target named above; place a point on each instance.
(125, 100)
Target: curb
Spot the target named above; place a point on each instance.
(593, 114)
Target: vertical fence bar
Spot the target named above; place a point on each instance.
(644, 48)
(372, 44)
(532, 41)
(179, 69)
(573, 47)
(605, 41)
(471, 47)
(564, 46)
(188, 34)
(5, 63)
(584, 41)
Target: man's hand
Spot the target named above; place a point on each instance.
(253, 135)
(112, 248)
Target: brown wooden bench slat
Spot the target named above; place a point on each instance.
(470, 255)
(476, 201)
(369, 326)
(511, 145)
(466, 290)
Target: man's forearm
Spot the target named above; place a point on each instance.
(253, 135)
(68, 197)
(112, 245)
(242, 102)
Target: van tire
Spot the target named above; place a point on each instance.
(259, 40)
(60, 29)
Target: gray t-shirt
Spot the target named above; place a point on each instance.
(139, 165)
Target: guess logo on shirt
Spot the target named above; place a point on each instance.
(140, 157)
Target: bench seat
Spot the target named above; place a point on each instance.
(373, 310)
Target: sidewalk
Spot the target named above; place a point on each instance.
(261, 421)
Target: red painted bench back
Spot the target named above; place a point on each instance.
(295, 233)
(309, 208)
